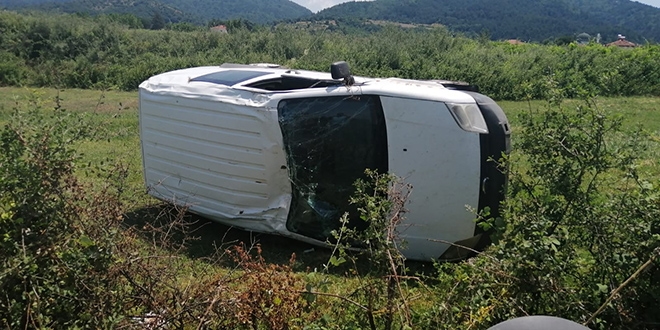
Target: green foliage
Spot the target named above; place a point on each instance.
(184, 27)
(380, 200)
(12, 69)
(579, 221)
(129, 20)
(257, 11)
(72, 51)
(54, 273)
(504, 19)
(233, 25)
(157, 22)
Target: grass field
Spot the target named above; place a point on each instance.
(114, 118)
(116, 114)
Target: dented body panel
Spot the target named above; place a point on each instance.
(224, 162)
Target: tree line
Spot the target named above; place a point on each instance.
(74, 51)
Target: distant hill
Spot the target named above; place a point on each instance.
(533, 20)
(197, 11)
(12, 4)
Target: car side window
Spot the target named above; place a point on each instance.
(329, 142)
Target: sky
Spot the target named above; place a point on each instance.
(317, 5)
(654, 3)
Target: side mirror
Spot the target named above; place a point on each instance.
(340, 70)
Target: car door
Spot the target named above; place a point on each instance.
(429, 150)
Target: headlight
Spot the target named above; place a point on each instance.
(469, 117)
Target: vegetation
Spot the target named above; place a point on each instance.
(580, 219)
(576, 200)
(55, 272)
(545, 20)
(510, 19)
(174, 11)
(102, 53)
(82, 246)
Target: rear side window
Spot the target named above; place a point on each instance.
(229, 77)
(329, 142)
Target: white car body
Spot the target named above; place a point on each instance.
(262, 147)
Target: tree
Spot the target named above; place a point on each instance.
(157, 21)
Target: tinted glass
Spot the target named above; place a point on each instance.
(329, 143)
(229, 77)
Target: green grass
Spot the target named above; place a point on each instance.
(114, 113)
(80, 100)
(635, 111)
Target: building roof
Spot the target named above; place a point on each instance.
(515, 42)
(219, 28)
(622, 42)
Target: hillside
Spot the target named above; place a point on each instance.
(534, 20)
(196, 11)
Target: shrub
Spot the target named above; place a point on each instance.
(73, 51)
(381, 301)
(70, 261)
(579, 221)
(12, 70)
(55, 271)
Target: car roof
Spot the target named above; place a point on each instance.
(265, 78)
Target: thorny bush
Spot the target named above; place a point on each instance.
(54, 272)
(69, 258)
(579, 220)
(382, 298)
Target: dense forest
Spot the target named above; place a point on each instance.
(526, 20)
(509, 19)
(102, 52)
(173, 11)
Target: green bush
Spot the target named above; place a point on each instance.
(56, 272)
(579, 221)
(12, 70)
(73, 51)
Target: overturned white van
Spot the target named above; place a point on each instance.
(275, 150)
